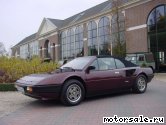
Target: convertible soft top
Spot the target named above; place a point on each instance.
(128, 63)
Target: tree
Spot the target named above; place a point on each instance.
(119, 49)
(2, 49)
(118, 29)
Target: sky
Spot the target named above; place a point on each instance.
(21, 18)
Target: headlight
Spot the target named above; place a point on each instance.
(29, 89)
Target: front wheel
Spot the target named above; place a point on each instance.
(140, 84)
(73, 92)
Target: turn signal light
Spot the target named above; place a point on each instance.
(29, 89)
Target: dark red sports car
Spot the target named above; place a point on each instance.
(86, 76)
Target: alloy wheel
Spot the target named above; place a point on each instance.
(141, 83)
(74, 93)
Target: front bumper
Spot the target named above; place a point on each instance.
(41, 92)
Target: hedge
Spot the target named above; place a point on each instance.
(11, 69)
(7, 87)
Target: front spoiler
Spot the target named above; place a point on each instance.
(42, 92)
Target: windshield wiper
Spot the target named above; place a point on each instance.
(64, 69)
(68, 68)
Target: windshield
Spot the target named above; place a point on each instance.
(131, 59)
(78, 63)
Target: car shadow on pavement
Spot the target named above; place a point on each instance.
(57, 103)
(45, 103)
(108, 96)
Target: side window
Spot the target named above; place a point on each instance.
(141, 58)
(95, 64)
(106, 63)
(119, 64)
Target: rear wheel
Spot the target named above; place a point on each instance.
(73, 92)
(140, 84)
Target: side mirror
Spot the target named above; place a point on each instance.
(90, 68)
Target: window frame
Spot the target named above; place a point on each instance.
(104, 24)
(79, 41)
(92, 38)
(63, 44)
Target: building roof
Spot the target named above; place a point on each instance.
(100, 8)
(87, 13)
(56, 22)
(27, 39)
(76, 18)
(82, 15)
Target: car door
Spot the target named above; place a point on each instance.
(104, 76)
(124, 78)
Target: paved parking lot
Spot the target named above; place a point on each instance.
(160, 76)
(11, 101)
(29, 111)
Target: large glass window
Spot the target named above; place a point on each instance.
(92, 39)
(67, 42)
(79, 50)
(70, 44)
(157, 35)
(104, 36)
(33, 48)
(63, 45)
(157, 19)
(24, 53)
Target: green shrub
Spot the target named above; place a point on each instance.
(7, 87)
(16, 68)
(143, 65)
(119, 49)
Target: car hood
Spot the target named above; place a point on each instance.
(56, 77)
(33, 79)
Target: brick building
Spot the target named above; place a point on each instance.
(141, 27)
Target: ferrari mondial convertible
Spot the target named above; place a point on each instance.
(84, 77)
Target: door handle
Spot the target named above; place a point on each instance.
(116, 72)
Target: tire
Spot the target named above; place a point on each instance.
(73, 92)
(140, 84)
